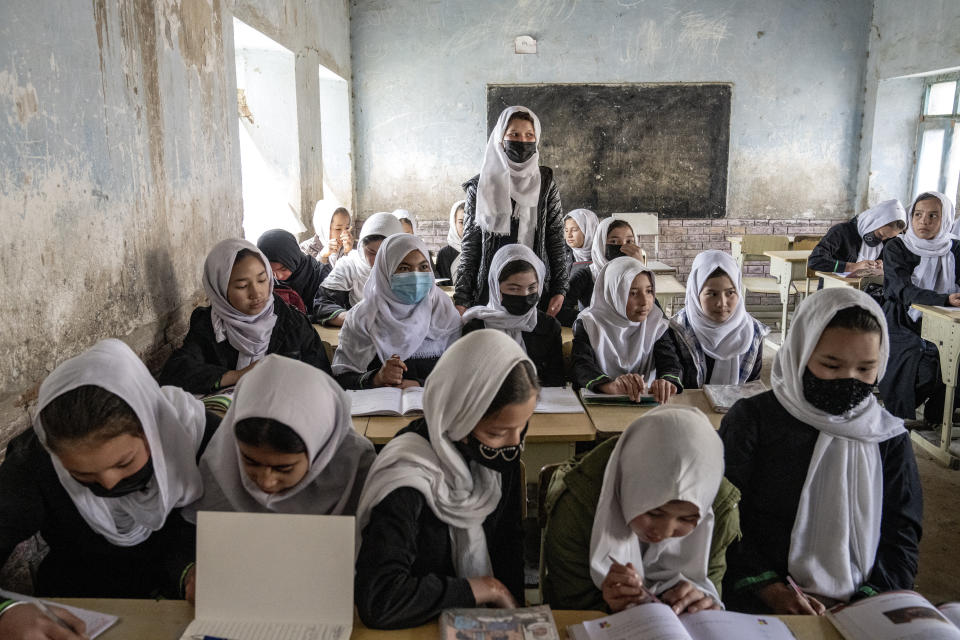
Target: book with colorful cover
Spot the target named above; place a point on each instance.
(530, 623)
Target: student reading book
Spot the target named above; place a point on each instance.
(858, 242)
(290, 266)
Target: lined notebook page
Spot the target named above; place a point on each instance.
(236, 630)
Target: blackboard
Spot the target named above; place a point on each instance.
(617, 148)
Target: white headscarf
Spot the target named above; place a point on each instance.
(671, 453)
(381, 325)
(459, 493)
(501, 180)
(454, 238)
(351, 271)
(835, 535)
(937, 270)
(173, 423)
(598, 246)
(622, 346)
(493, 314)
(249, 335)
(403, 214)
(725, 342)
(872, 219)
(322, 221)
(587, 221)
(314, 406)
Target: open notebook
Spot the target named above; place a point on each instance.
(272, 576)
(386, 401)
(658, 621)
(96, 622)
(558, 400)
(723, 396)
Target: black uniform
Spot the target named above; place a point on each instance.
(840, 245)
(544, 345)
(328, 304)
(417, 369)
(445, 258)
(579, 291)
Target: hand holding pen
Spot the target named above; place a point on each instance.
(34, 619)
(623, 587)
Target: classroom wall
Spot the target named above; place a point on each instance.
(420, 71)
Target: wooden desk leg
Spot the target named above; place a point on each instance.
(946, 335)
(780, 269)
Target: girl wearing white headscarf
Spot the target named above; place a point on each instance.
(579, 227)
(332, 236)
(920, 267)
(717, 340)
(406, 219)
(396, 334)
(620, 342)
(343, 287)
(439, 521)
(109, 509)
(516, 282)
(858, 243)
(448, 258)
(514, 200)
(831, 494)
(245, 321)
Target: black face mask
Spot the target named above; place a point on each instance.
(836, 397)
(519, 305)
(613, 251)
(499, 459)
(519, 152)
(871, 240)
(131, 484)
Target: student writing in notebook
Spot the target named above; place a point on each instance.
(516, 282)
(332, 236)
(343, 287)
(645, 513)
(717, 340)
(290, 266)
(858, 242)
(831, 493)
(620, 342)
(448, 258)
(579, 227)
(396, 334)
(244, 322)
(439, 522)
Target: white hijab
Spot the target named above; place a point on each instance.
(622, 346)
(454, 239)
(598, 246)
(587, 221)
(671, 453)
(459, 493)
(351, 271)
(314, 406)
(493, 314)
(727, 341)
(872, 219)
(403, 214)
(835, 535)
(322, 220)
(937, 270)
(501, 180)
(249, 335)
(381, 325)
(173, 423)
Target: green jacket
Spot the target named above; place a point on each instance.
(571, 503)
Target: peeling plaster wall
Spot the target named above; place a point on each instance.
(420, 70)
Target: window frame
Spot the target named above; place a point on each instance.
(946, 123)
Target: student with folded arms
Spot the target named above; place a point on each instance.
(831, 493)
(290, 266)
(439, 523)
(579, 227)
(858, 242)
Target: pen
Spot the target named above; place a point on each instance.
(642, 588)
(796, 587)
(50, 615)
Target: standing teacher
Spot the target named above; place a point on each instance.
(513, 201)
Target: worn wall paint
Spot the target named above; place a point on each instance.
(895, 139)
(420, 70)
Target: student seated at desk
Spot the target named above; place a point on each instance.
(102, 476)
(516, 282)
(579, 227)
(921, 268)
(831, 493)
(332, 239)
(439, 523)
(244, 322)
(653, 499)
(290, 266)
(448, 258)
(620, 342)
(407, 221)
(717, 340)
(858, 242)
(343, 287)
(396, 334)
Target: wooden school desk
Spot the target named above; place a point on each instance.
(786, 267)
(668, 288)
(942, 328)
(611, 420)
(659, 267)
(166, 620)
(330, 337)
(833, 280)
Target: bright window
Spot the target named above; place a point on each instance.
(938, 138)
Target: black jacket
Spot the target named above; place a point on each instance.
(479, 246)
(899, 291)
(840, 245)
(544, 345)
(417, 369)
(445, 258)
(198, 365)
(405, 574)
(579, 290)
(328, 304)
(767, 453)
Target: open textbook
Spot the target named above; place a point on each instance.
(723, 396)
(530, 623)
(592, 397)
(897, 615)
(558, 400)
(386, 401)
(96, 622)
(655, 620)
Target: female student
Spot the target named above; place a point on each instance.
(407, 221)
(831, 494)
(516, 280)
(290, 266)
(611, 239)
(579, 227)
(439, 521)
(343, 288)
(396, 334)
(244, 322)
(920, 267)
(513, 201)
(286, 445)
(646, 513)
(448, 259)
(858, 242)
(111, 459)
(620, 342)
(332, 237)
(717, 340)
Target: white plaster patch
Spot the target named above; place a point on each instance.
(23, 97)
(701, 34)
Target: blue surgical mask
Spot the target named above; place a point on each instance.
(411, 288)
